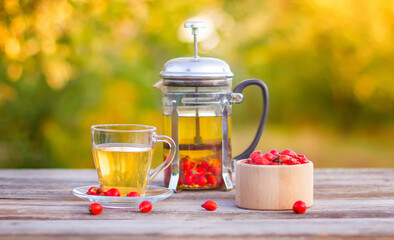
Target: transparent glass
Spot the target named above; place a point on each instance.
(123, 156)
(199, 129)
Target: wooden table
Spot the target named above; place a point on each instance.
(348, 203)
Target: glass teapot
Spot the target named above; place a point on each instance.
(197, 101)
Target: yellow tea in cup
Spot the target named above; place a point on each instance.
(123, 166)
(123, 156)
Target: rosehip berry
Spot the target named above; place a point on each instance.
(285, 159)
(256, 154)
(289, 152)
(92, 191)
(95, 191)
(212, 180)
(199, 171)
(216, 170)
(95, 208)
(210, 205)
(145, 206)
(261, 161)
(202, 181)
(302, 159)
(299, 207)
(187, 164)
(293, 161)
(220, 180)
(133, 194)
(100, 191)
(204, 164)
(113, 192)
(249, 161)
(274, 152)
(269, 157)
(189, 179)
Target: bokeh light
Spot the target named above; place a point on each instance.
(66, 65)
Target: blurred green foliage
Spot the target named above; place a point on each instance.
(66, 65)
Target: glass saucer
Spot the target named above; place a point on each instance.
(152, 194)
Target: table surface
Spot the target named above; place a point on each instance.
(351, 203)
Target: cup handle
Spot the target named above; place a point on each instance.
(168, 161)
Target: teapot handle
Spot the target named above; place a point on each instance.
(238, 89)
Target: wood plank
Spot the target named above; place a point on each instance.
(191, 209)
(197, 229)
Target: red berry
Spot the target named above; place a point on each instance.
(113, 192)
(202, 181)
(95, 191)
(199, 171)
(187, 164)
(285, 159)
(302, 159)
(189, 179)
(289, 152)
(210, 205)
(212, 180)
(92, 191)
(299, 207)
(261, 161)
(133, 194)
(293, 161)
(269, 157)
(274, 163)
(274, 152)
(216, 170)
(145, 206)
(255, 154)
(95, 208)
(204, 164)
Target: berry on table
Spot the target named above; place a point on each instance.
(145, 206)
(299, 207)
(95, 208)
(210, 205)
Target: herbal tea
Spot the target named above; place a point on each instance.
(200, 162)
(123, 166)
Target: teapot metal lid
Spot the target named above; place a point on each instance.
(196, 71)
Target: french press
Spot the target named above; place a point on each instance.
(197, 99)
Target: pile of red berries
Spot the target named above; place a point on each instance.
(273, 157)
(200, 174)
(113, 192)
(96, 208)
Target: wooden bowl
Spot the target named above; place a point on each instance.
(277, 187)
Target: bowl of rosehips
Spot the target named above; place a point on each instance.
(273, 180)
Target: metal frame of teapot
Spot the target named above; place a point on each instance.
(198, 98)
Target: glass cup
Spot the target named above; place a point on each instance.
(123, 156)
